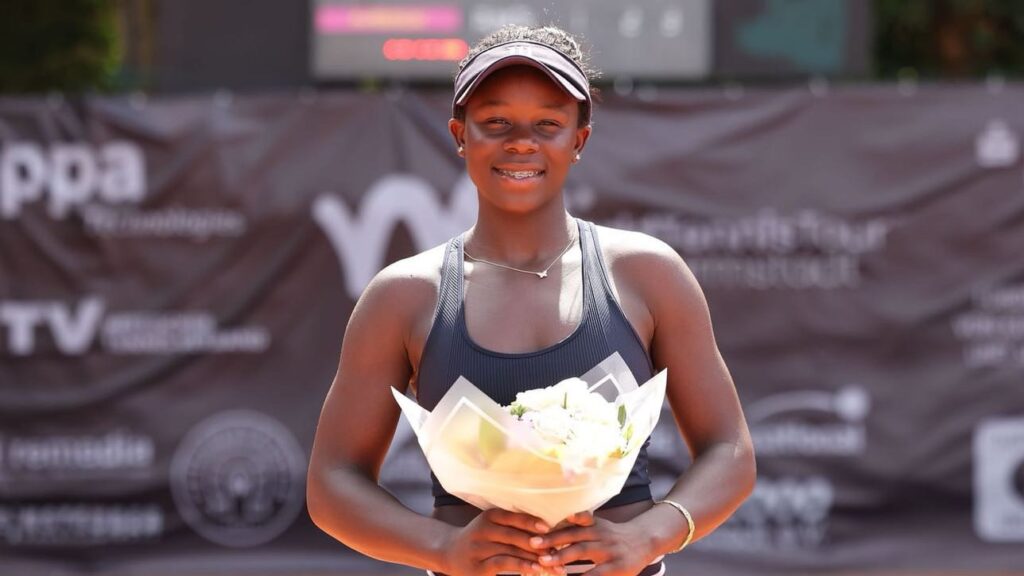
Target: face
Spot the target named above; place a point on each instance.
(520, 137)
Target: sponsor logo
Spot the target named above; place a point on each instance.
(844, 434)
(67, 176)
(75, 328)
(238, 478)
(787, 513)
(78, 524)
(997, 146)
(198, 224)
(73, 456)
(991, 330)
(103, 184)
(361, 239)
(767, 250)
(999, 480)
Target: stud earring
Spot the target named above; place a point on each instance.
(577, 158)
(461, 150)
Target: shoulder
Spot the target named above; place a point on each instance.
(406, 287)
(649, 266)
(625, 246)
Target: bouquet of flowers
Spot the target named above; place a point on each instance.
(553, 452)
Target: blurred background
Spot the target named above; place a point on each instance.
(193, 195)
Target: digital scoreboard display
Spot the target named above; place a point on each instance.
(655, 39)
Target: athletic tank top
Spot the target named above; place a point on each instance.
(449, 352)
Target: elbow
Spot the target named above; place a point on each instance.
(746, 468)
(327, 494)
(314, 499)
(320, 499)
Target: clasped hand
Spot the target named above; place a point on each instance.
(500, 541)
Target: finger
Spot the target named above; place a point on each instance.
(496, 564)
(512, 536)
(581, 519)
(564, 537)
(593, 551)
(518, 520)
(498, 549)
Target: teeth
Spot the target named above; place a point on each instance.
(519, 174)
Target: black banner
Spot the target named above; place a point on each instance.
(176, 275)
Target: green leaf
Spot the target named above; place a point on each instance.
(622, 415)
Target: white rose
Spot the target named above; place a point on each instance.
(553, 423)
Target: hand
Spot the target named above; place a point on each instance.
(495, 541)
(617, 549)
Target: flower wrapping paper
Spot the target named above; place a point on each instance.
(484, 455)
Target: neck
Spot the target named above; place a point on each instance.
(520, 239)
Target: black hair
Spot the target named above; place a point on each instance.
(551, 36)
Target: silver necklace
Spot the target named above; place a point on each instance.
(542, 274)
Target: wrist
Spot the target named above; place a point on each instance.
(666, 527)
(439, 547)
(657, 530)
(691, 528)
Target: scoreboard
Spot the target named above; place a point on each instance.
(655, 39)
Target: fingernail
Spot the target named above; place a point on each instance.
(537, 542)
(546, 559)
(542, 527)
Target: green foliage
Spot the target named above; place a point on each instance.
(58, 45)
(949, 38)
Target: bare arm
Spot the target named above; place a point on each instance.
(707, 412)
(703, 400)
(356, 426)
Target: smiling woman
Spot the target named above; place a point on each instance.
(519, 143)
(527, 297)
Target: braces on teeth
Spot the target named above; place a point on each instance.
(520, 174)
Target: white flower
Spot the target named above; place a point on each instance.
(566, 392)
(553, 423)
(578, 427)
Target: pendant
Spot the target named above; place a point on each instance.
(543, 274)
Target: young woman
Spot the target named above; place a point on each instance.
(528, 296)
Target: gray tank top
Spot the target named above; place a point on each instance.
(449, 352)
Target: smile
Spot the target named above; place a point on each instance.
(519, 174)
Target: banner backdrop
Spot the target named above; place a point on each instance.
(176, 276)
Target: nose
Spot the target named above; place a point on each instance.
(520, 141)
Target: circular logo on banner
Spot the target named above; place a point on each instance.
(238, 478)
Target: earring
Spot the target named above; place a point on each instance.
(461, 150)
(577, 158)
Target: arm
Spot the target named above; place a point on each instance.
(356, 426)
(703, 399)
(704, 402)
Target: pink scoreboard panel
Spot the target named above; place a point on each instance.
(656, 39)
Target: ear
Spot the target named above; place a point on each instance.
(582, 135)
(458, 130)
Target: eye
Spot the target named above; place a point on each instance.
(496, 121)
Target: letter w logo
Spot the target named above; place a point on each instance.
(360, 241)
